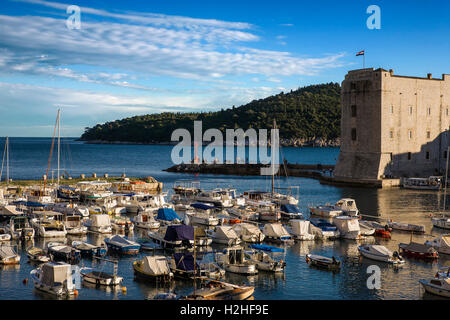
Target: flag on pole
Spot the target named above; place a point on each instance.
(361, 53)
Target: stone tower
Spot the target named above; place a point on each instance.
(393, 126)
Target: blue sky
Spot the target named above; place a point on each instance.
(139, 57)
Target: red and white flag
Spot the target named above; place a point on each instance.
(361, 53)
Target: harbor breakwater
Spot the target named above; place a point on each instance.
(291, 142)
(288, 169)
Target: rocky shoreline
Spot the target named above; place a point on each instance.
(292, 142)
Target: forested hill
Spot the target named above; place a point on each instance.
(306, 114)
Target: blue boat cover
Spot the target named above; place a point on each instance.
(179, 232)
(323, 224)
(29, 203)
(290, 208)
(167, 214)
(266, 247)
(202, 206)
(185, 262)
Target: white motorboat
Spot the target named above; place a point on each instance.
(380, 253)
(441, 244)
(249, 232)
(49, 225)
(430, 183)
(264, 261)
(345, 206)
(439, 287)
(244, 213)
(201, 215)
(225, 235)
(54, 278)
(327, 211)
(74, 225)
(146, 220)
(201, 237)
(366, 228)
(406, 227)
(275, 232)
(232, 259)
(301, 229)
(348, 227)
(323, 229)
(100, 277)
(100, 223)
(441, 222)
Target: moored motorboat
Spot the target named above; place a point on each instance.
(441, 244)
(8, 255)
(89, 250)
(301, 229)
(249, 232)
(59, 252)
(264, 261)
(418, 250)
(232, 259)
(225, 235)
(153, 268)
(380, 253)
(37, 255)
(275, 232)
(439, 287)
(219, 290)
(324, 229)
(101, 278)
(99, 223)
(348, 227)
(174, 237)
(54, 278)
(290, 211)
(122, 245)
(406, 227)
(146, 220)
(323, 262)
(441, 222)
(19, 227)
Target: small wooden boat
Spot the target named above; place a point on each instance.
(406, 227)
(323, 262)
(418, 250)
(8, 255)
(37, 255)
(219, 290)
(380, 253)
(153, 268)
(89, 250)
(122, 245)
(439, 287)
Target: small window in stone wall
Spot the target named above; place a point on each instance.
(353, 111)
(410, 109)
(353, 134)
(391, 134)
(428, 134)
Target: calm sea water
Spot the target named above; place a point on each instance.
(29, 157)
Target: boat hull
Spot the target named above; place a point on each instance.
(435, 290)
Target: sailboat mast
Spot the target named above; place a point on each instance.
(446, 178)
(7, 160)
(272, 151)
(59, 134)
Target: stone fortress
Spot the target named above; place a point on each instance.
(392, 127)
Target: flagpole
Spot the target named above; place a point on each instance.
(364, 60)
